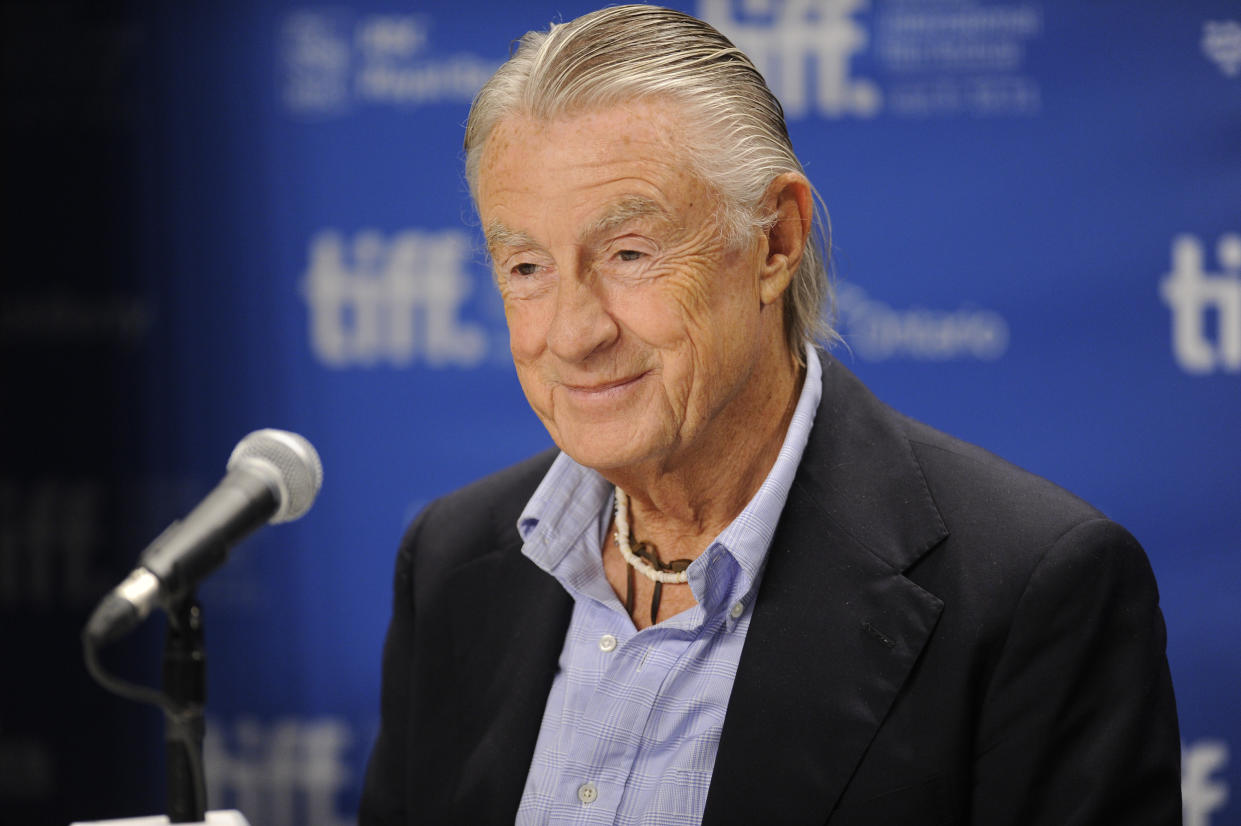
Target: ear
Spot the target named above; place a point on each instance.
(789, 198)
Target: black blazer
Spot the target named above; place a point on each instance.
(939, 638)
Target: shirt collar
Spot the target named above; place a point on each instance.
(562, 525)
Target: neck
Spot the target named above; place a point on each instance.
(681, 503)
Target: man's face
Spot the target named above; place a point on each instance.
(637, 330)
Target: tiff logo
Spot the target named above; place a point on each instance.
(393, 300)
(285, 773)
(1203, 791)
(1195, 296)
(784, 37)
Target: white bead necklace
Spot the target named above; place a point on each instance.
(636, 562)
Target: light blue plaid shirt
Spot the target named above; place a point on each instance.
(633, 720)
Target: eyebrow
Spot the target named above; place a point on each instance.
(620, 213)
(499, 235)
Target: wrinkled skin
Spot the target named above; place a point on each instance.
(650, 347)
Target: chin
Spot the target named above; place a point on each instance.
(602, 451)
(595, 458)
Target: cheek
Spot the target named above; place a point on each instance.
(689, 333)
(719, 324)
(527, 328)
(532, 378)
(713, 313)
(668, 313)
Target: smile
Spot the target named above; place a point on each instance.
(603, 390)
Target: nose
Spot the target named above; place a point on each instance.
(582, 324)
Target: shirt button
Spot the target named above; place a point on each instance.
(607, 642)
(587, 793)
(737, 610)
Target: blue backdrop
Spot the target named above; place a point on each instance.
(1036, 218)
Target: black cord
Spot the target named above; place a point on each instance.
(124, 688)
(178, 719)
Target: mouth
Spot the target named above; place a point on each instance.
(603, 390)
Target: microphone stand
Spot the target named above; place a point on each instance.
(185, 684)
(273, 476)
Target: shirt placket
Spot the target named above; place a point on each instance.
(617, 713)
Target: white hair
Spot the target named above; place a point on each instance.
(740, 142)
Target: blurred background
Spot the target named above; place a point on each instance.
(232, 215)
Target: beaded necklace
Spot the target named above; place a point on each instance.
(644, 558)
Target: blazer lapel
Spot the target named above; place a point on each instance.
(837, 626)
(503, 683)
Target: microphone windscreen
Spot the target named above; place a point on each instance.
(291, 463)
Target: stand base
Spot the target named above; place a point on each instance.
(228, 817)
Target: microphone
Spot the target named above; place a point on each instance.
(273, 476)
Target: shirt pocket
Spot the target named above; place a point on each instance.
(682, 793)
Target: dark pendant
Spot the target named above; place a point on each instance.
(648, 552)
(629, 591)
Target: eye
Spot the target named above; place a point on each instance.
(525, 269)
(629, 255)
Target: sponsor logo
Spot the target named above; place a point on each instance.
(1203, 301)
(392, 300)
(1203, 790)
(288, 772)
(928, 59)
(878, 332)
(1221, 43)
(333, 60)
(316, 57)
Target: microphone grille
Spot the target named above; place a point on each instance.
(290, 461)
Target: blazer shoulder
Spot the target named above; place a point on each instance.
(902, 488)
(476, 518)
(956, 469)
(977, 491)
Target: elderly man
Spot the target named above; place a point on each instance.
(742, 590)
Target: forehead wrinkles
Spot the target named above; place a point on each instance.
(625, 209)
(531, 165)
(621, 212)
(591, 138)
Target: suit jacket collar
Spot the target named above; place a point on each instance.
(837, 627)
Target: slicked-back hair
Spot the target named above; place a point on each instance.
(736, 139)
